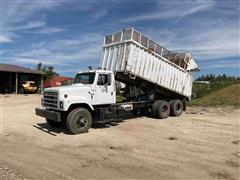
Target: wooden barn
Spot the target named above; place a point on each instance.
(12, 76)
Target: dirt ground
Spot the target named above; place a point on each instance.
(201, 144)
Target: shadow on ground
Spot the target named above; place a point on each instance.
(54, 131)
(51, 130)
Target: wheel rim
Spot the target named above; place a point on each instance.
(81, 121)
(178, 107)
(165, 108)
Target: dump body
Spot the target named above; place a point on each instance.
(130, 52)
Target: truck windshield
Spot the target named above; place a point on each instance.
(84, 78)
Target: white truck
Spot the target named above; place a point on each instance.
(157, 82)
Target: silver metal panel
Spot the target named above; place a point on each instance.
(135, 60)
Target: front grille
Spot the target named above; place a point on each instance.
(50, 99)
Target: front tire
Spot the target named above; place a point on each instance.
(79, 120)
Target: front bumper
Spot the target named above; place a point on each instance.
(52, 115)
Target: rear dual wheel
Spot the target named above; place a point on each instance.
(161, 109)
(176, 107)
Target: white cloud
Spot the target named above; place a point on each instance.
(38, 44)
(46, 30)
(22, 60)
(29, 16)
(28, 25)
(178, 9)
(21, 16)
(83, 39)
(207, 38)
(211, 44)
(19, 11)
(208, 41)
(221, 64)
(97, 15)
(64, 52)
(5, 39)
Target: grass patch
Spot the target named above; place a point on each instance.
(229, 95)
(201, 90)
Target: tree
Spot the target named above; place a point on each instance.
(50, 73)
(48, 70)
(39, 67)
(213, 78)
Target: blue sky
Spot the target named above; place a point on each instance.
(69, 34)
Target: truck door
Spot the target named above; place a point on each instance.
(105, 89)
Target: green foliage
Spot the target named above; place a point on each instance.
(48, 70)
(213, 78)
(226, 96)
(216, 83)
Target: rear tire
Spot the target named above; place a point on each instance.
(54, 124)
(176, 107)
(79, 120)
(154, 107)
(162, 109)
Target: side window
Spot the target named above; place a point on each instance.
(104, 79)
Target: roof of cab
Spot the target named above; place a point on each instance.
(96, 71)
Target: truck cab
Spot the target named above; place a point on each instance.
(93, 87)
(90, 89)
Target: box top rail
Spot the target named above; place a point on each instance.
(182, 60)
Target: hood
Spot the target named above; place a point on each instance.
(72, 90)
(63, 88)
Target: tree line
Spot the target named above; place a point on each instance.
(48, 70)
(213, 78)
(216, 82)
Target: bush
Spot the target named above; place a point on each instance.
(216, 83)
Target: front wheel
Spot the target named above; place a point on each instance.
(79, 120)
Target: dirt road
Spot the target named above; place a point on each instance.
(201, 144)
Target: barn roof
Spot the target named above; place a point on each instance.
(17, 69)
